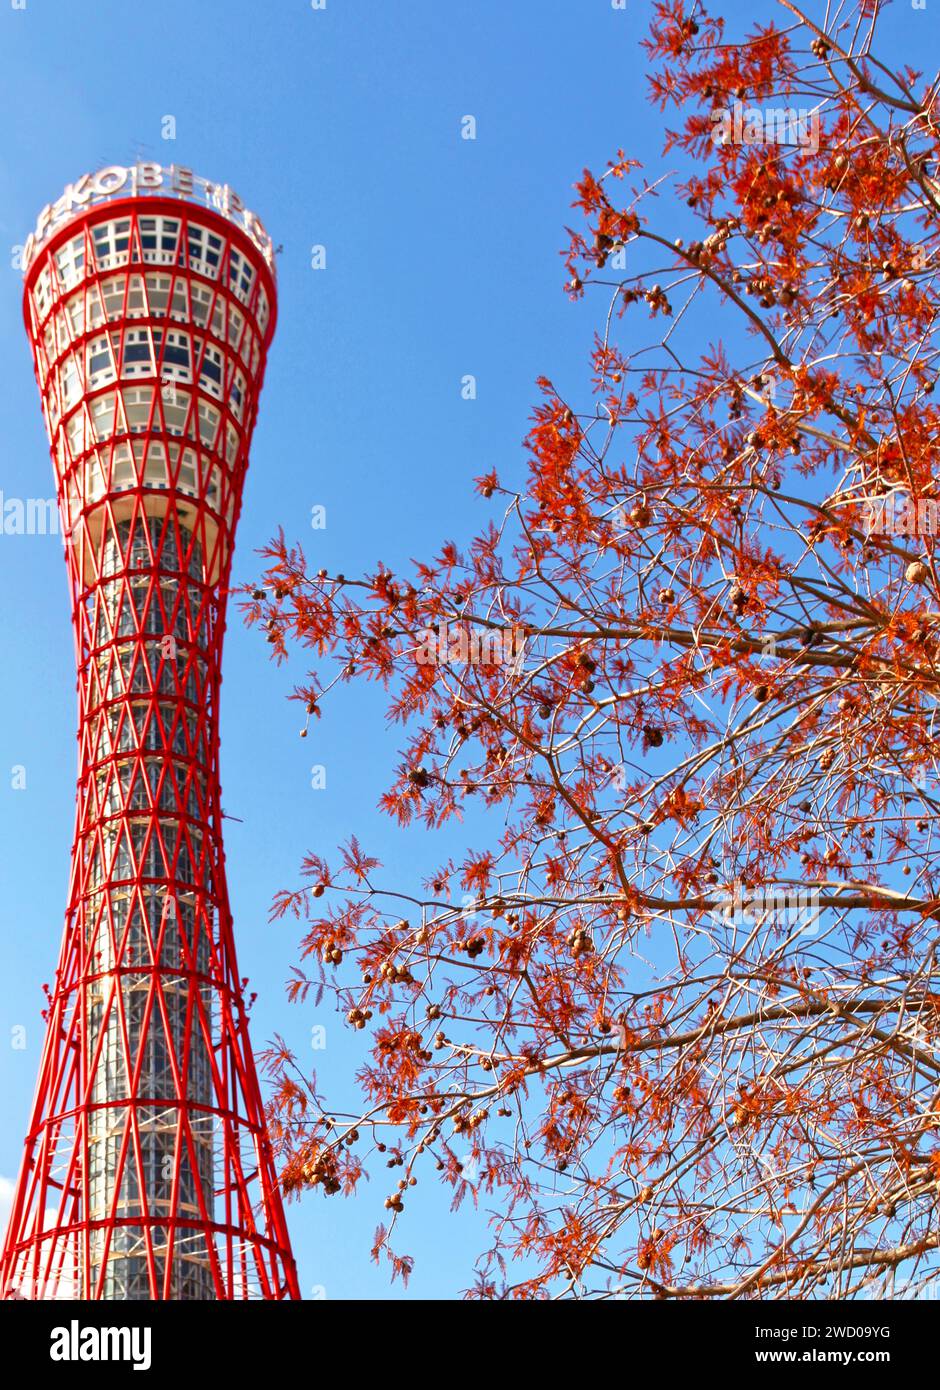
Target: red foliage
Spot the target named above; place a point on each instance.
(682, 1036)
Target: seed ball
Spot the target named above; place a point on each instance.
(916, 573)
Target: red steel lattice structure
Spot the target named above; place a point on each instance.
(147, 1171)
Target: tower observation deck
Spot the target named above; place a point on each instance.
(150, 303)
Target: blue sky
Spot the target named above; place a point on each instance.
(341, 127)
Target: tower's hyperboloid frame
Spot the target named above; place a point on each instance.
(147, 1172)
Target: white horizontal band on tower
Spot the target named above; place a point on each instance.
(142, 180)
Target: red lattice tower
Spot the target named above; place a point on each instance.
(150, 304)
